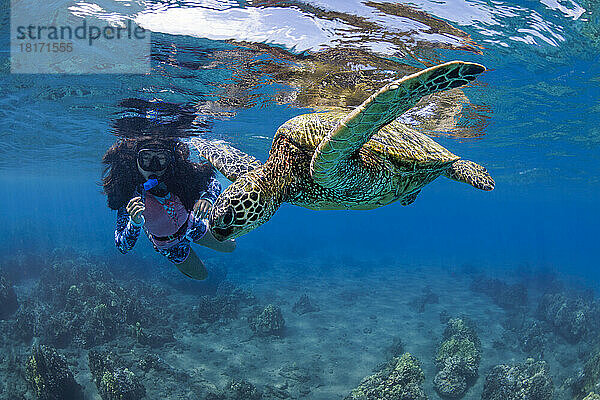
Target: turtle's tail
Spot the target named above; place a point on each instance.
(474, 174)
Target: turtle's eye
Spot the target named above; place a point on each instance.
(228, 217)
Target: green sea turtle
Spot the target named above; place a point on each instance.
(337, 160)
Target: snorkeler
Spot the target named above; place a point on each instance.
(155, 187)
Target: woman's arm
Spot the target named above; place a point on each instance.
(207, 198)
(126, 232)
(213, 190)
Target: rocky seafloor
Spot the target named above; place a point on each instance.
(78, 326)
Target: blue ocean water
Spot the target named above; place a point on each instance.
(246, 67)
(540, 141)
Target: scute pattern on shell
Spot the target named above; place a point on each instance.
(396, 162)
(397, 141)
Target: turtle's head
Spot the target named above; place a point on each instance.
(242, 207)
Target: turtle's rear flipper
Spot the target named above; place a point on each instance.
(474, 174)
(408, 200)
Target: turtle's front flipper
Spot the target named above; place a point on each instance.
(230, 161)
(474, 174)
(391, 101)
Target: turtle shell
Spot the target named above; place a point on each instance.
(395, 141)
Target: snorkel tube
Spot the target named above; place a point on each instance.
(151, 183)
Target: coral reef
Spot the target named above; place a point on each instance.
(528, 381)
(89, 307)
(196, 341)
(400, 379)
(303, 305)
(114, 382)
(427, 297)
(241, 390)
(211, 309)
(152, 361)
(587, 381)
(269, 322)
(152, 338)
(236, 390)
(8, 298)
(573, 317)
(49, 376)
(457, 359)
(504, 295)
(530, 335)
(533, 337)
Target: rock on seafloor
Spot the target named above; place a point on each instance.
(114, 382)
(505, 295)
(304, 305)
(588, 380)
(48, 374)
(528, 381)
(457, 359)
(400, 379)
(269, 322)
(226, 305)
(240, 390)
(573, 317)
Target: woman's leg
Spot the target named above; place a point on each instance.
(208, 240)
(193, 267)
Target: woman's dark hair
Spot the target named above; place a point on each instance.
(183, 177)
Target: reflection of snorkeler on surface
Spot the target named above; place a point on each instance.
(154, 187)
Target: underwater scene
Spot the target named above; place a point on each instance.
(298, 199)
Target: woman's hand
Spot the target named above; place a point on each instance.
(135, 208)
(202, 208)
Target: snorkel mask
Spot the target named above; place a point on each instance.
(154, 160)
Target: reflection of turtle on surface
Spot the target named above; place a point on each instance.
(334, 160)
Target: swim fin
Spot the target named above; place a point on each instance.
(193, 267)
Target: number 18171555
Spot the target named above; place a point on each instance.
(45, 47)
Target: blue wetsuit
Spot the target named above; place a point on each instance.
(127, 233)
